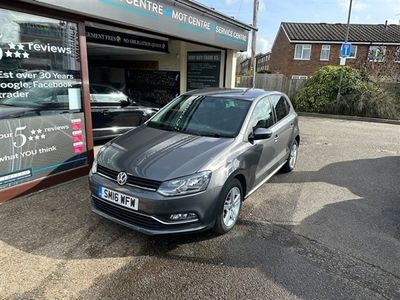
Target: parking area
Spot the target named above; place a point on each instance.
(328, 230)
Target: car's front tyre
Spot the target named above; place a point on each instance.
(231, 204)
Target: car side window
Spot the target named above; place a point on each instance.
(262, 115)
(281, 106)
(106, 94)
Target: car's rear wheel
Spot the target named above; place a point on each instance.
(231, 199)
(292, 159)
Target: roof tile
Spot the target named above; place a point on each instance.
(378, 33)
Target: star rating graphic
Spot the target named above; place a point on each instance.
(36, 135)
(16, 51)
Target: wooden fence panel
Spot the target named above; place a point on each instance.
(276, 82)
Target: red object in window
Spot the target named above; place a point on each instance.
(78, 147)
(76, 124)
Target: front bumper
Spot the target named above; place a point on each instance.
(152, 216)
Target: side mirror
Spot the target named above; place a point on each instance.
(260, 134)
(125, 103)
(131, 101)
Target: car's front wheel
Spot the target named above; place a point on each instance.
(232, 198)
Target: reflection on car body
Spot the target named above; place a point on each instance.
(193, 163)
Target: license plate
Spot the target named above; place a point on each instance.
(118, 198)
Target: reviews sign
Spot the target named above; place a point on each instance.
(37, 149)
(42, 128)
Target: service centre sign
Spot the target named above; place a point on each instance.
(42, 125)
(163, 16)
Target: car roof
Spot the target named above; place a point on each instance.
(235, 93)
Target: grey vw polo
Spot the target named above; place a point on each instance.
(190, 166)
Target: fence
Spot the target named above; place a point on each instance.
(277, 82)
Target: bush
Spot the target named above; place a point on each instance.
(358, 96)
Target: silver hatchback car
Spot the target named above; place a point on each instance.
(190, 167)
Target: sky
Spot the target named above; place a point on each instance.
(273, 12)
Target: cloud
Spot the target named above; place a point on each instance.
(261, 6)
(394, 21)
(358, 5)
(263, 45)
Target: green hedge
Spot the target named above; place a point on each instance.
(359, 97)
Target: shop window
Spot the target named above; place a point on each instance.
(42, 128)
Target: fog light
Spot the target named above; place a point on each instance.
(183, 216)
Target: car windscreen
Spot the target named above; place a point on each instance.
(203, 115)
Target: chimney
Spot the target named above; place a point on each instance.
(386, 24)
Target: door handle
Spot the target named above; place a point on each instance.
(276, 138)
(106, 112)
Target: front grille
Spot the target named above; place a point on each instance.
(127, 216)
(133, 180)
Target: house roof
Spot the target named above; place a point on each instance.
(362, 33)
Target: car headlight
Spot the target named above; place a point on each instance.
(185, 185)
(93, 170)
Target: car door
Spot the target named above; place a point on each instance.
(111, 110)
(283, 127)
(264, 150)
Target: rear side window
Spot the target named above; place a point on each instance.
(281, 106)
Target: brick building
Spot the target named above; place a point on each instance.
(300, 49)
(262, 63)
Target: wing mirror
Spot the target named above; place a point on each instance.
(125, 103)
(260, 134)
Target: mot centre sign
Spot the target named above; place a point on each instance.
(162, 16)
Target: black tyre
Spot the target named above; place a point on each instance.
(231, 204)
(292, 159)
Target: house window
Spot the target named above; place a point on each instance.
(325, 52)
(376, 53)
(353, 52)
(302, 51)
(299, 77)
(397, 55)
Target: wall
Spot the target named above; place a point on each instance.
(188, 47)
(283, 62)
(280, 53)
(308, 67)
